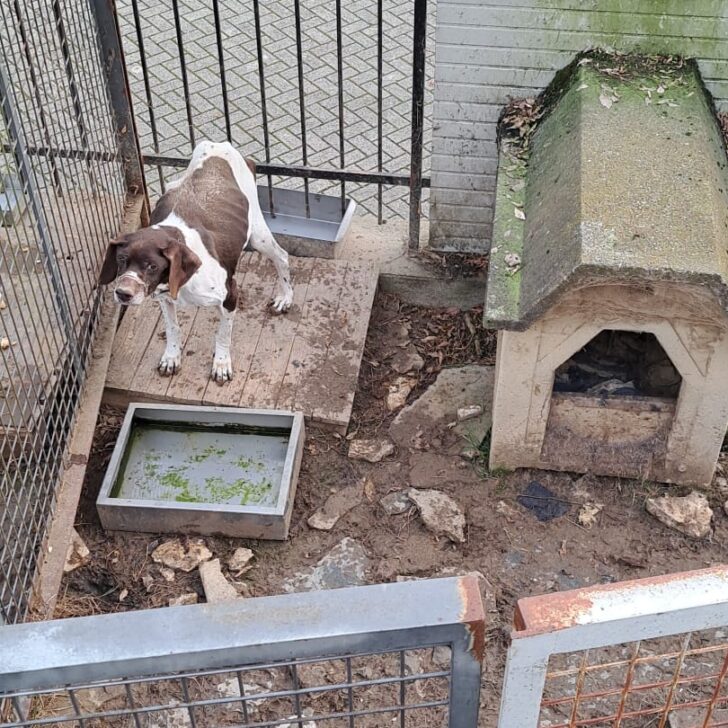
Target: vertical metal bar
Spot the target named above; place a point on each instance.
(297, 694)
(350, 692)
(263, 107)
(465, 686)
(241, 689)
(380, 101)
(221, 61)
(75, 98)
(186, 695)
(25, 171)
(147, 87)
(402, 690)
(130, 697)
(419, 42)
(301, 102)
(36, 92)
(183, 71)
(112, 59)
(340, 77)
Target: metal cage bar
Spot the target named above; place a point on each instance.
(188, 645)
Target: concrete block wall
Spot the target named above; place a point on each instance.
(489, 51)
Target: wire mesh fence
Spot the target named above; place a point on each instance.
(62, 197)
(646, 654)
(401, 654)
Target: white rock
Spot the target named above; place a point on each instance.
(396, 503)
(690, 514)
(336, 506)
(399, 390)
(468, 413)
(230, 688)
(183, 599)
(240, 559)
(166, 573)
(217, 587)
(169, 718)
(77, 554)
(187, 557)
(440, 513)
(148, 581)
(373, 451)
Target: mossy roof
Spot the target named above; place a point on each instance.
(625, 181)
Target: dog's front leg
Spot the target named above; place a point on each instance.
(222, 365)
(263, 241)
(172, 358)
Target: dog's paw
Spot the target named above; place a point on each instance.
(222, 370)
(282, 302)
(169, 364)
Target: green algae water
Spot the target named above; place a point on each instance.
(187, 463)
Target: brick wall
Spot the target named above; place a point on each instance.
(488, 51)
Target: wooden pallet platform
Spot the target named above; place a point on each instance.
(306, 360)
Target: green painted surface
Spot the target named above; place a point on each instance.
(626, 180)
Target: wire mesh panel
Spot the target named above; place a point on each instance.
(652, 652)
(61, 197)
(403, 654)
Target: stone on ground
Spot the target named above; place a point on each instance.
(240, 559)
(399, 390)
(77, 554)
(689, 717)
(373, 451)
(345, 565)
(217, 587)
(396, 503)
(690, 514)
(184, 557)
(440, 513)
(183, 600)
(407, 360)
(438, 405)
(336, 506)
(169, 718)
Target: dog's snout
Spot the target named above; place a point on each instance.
(123, 295)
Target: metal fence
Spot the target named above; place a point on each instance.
(62, 191)
(392, 654)
(327, 93)
(652, 652)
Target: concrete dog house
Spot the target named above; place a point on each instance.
(608, 280)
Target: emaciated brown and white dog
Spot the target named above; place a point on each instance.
(189, 253)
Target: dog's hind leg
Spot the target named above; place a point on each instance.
(262, 240)
(222, 365)
(172, 358)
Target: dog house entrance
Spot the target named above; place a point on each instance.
(612, 405)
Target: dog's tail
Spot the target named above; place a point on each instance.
(251, 166)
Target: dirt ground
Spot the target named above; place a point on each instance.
(517, 554)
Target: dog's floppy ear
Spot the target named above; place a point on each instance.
(183, 264)
(251, 165)
(110, 268)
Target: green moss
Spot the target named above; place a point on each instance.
(208, 452)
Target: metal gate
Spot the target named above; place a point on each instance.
(325, 96)
(62, 191)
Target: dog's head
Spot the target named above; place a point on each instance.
(145, 259)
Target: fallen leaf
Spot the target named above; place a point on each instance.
(583, 86)
(370, 490)
(4, 343)
(520, 214)
(588, 513)
(605, 101)
(661, 89)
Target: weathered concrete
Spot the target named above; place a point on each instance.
(617, 189)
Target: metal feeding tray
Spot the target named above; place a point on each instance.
(312, 232)
(203, 470)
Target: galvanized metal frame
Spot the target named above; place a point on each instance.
(116, 648)
(601, 616)
(250, 521)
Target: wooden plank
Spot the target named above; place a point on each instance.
(256, 293)
(137, 328)
(312, 337)
(275, 343)
(340, 372)
(148, 383)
